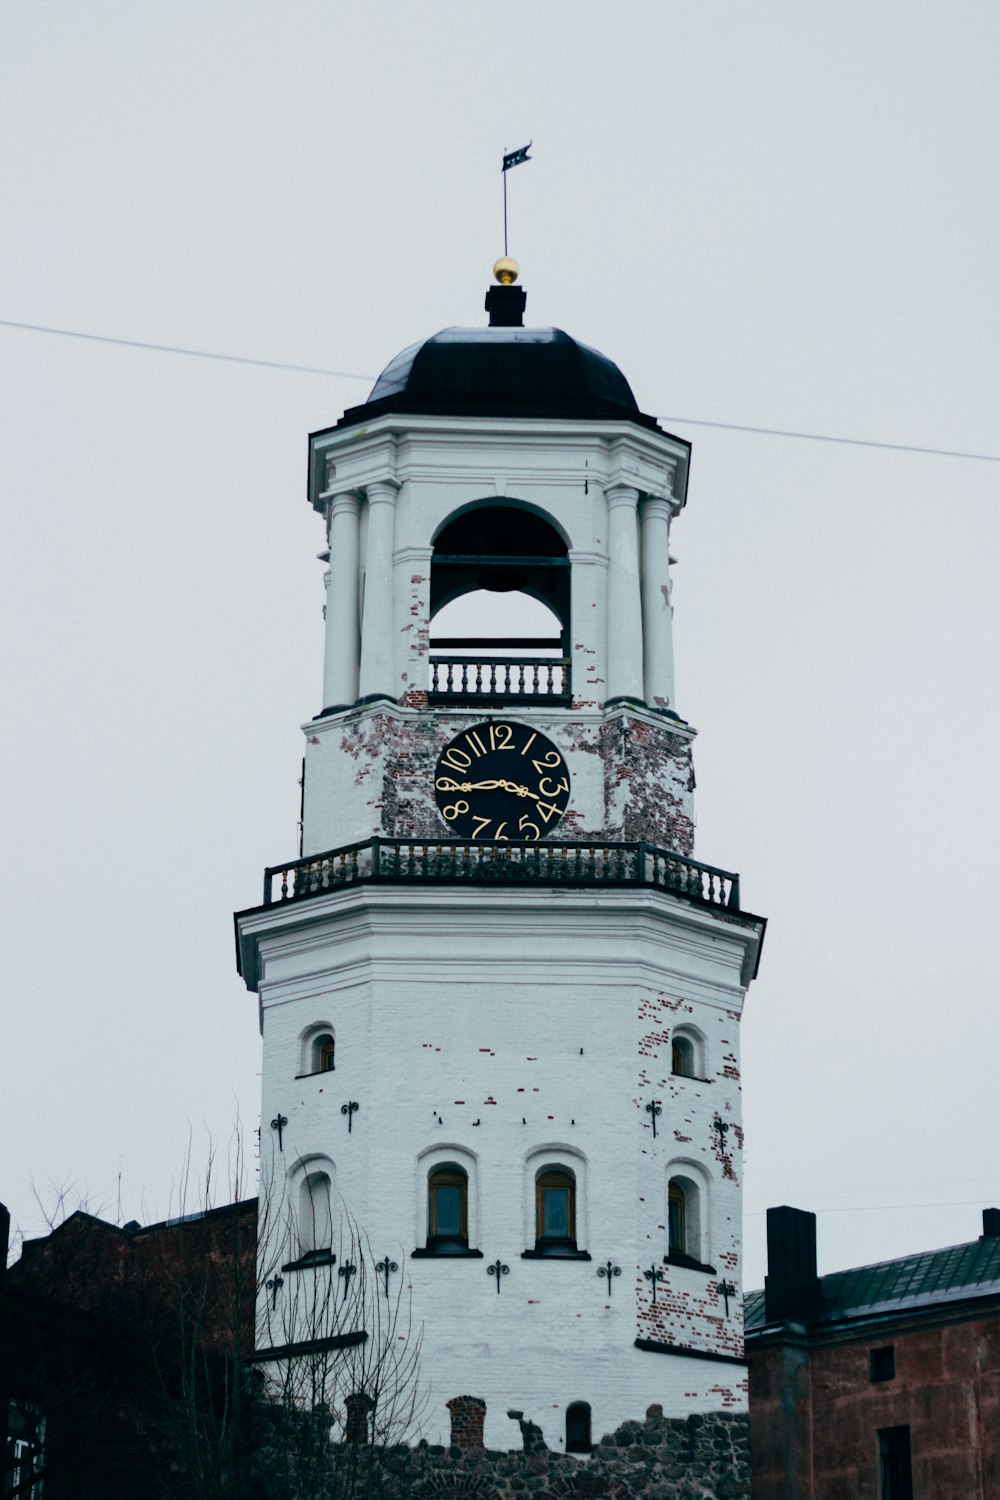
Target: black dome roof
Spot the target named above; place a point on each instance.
(501, 372)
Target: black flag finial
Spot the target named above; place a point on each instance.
(515, 158)
(511, 159)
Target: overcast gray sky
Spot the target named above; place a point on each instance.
(777, 214)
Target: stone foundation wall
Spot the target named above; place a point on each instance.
(700, 1457)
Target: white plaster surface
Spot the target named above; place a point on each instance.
(506, 1028)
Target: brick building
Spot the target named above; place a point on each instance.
(105, 1335)
(878, 1383)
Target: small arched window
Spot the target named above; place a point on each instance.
(687, 1217)
(315, 1216)
(447, 1209)
(555, 1209)
(687, 1053)
(682, 1057)
(578, 1427)
(677, 1243)
(324, 1052)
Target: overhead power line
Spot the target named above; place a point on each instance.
(232, 359)
(275, 364)
(825, 437)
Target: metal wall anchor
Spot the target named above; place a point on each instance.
(654, 1274)
(498, 1269)
(609, 1271)
(384, 1268)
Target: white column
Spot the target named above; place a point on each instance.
(624, 607)
(343, 636)
(657, 616)
(412, 572)
(588, 611)
(378, 677)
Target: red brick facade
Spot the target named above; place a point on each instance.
(826, 1379)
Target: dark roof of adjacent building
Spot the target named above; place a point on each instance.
(935, 1278)
(501, 372)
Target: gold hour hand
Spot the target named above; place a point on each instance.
(519, 791)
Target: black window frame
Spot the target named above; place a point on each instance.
(582, 1443)
(895, 1464)
(447, 1174)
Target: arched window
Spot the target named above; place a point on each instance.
(315, 1216)
(447, 1209)
(687, 1217)
(682, 1057)
(318, 1049)
(676, 1219)
(555, 1209)
(578, 1427)
(447, 1201)
(687, 1053)
(509, 638)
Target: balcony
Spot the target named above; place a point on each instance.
(492, 680)
(465, 862)
(489, 672)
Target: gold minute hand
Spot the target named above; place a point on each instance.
(446, 784)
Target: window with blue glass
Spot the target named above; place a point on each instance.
(555, 1209)
(448, 1208)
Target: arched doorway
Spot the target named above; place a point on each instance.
(500, 610)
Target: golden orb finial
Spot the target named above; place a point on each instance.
(506, 270)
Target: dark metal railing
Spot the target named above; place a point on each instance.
(473, 679)
(468, 862)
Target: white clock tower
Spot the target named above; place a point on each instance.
(500, 999)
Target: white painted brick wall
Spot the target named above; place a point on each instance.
(443, 1001)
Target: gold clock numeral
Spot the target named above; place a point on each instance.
(562, 787)
(482, 822)
(473, 739)
(548, 810)
(507, 742)
(547, 762)
(527, 743)
(455, 810)
(524, 823)
(457, 759)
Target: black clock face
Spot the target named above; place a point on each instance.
(501, 781)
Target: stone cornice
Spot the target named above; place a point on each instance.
(654, 463)
(551, 930)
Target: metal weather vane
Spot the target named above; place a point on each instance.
(511, 159)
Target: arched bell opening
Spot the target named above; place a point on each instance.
(500, 609)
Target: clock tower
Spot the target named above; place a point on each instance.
(500, 998)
